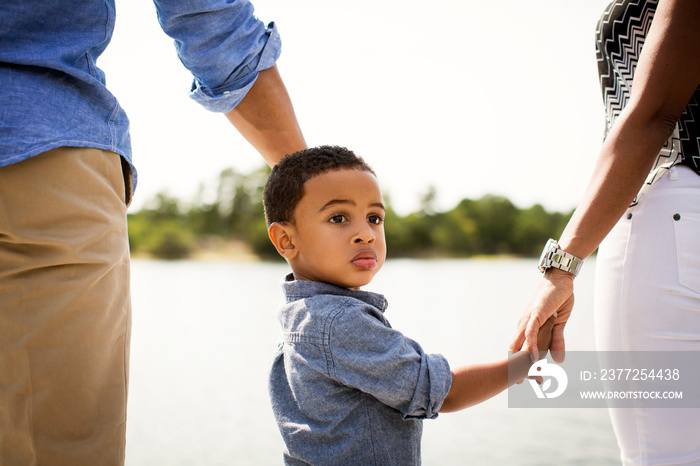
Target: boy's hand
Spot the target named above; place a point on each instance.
(544, 339)
(544, 336)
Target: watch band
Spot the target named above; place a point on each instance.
(553, 256)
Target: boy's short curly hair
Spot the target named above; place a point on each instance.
(285, 186)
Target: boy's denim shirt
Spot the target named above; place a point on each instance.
(346, 388)
(52, 93)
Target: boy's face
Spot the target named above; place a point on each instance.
(338, 230)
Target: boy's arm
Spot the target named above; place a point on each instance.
(473, 384)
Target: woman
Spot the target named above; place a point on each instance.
(642, 206)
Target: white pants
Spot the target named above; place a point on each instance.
(647, 298)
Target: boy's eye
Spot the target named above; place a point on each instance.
(375, 219)
(337, 219)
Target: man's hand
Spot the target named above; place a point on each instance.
(554, 294)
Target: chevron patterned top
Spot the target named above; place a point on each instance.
(619, 40)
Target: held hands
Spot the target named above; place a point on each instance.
(519, 364)
(544, 336)
(544, 339)
(555, 294)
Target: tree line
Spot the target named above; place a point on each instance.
(170, 228)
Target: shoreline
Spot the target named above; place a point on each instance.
(211, 250)
(237, 251)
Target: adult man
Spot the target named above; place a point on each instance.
(66, 177)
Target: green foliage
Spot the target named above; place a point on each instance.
(533, 227)
(160, 230)
(486, 226)
(168, 240)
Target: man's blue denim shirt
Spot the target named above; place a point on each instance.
(52, 93)
(346, 388)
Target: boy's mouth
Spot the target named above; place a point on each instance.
(365, 259)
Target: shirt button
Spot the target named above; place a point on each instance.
(629, 215)
(676, 217)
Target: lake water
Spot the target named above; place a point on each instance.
(204, 334)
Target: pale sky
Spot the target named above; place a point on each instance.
(469, 97)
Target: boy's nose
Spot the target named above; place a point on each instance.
(366, 235)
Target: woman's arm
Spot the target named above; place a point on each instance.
(667, 74)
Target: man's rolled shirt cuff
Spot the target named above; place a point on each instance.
(224, 98)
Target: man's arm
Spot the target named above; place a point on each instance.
(265, 117)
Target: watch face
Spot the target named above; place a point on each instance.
(544, 263)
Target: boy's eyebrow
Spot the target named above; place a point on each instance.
(348, 201)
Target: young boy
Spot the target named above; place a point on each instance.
(346, 388)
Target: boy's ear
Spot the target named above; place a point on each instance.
(281, 235)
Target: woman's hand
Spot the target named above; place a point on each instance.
(554, 294)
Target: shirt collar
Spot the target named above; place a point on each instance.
(300, 289)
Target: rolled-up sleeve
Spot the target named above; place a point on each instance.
(376, 359)
(222, 44)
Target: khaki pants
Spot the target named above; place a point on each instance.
(65, 313)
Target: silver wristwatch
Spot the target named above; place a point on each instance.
(552, 256)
